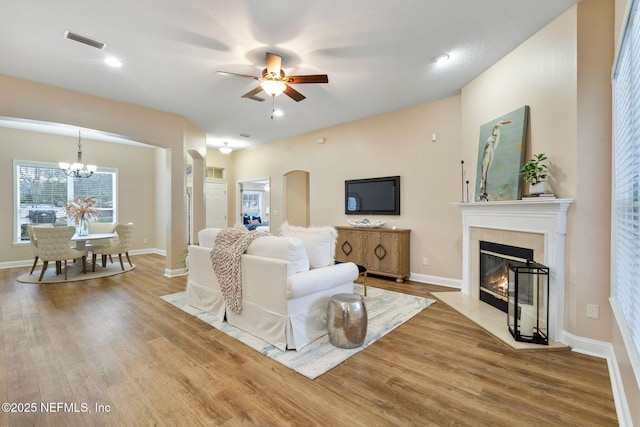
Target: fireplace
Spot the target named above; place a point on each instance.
(494, 271)
(537, 224)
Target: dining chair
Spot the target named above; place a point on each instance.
(54, 245)
(119, 247)
(34, 243)
(100, 228)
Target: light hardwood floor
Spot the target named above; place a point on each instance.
(114, 342)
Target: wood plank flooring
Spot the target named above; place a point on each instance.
(123, 356)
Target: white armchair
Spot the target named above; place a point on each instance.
(203, 290)
(283, 301)
(34, 243)
(119, 247)
(54, 245)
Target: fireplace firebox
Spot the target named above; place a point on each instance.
(494, 271)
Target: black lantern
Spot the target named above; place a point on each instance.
(528, 302)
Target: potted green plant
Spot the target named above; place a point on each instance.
(535, 173)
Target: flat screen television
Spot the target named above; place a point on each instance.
(372, 196)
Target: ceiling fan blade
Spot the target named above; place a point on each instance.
(226, 73)
(316, 78)
(274, 63)
(252, 94)
(294, 94)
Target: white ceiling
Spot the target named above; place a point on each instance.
(378, 54)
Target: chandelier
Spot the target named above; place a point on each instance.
(78, 169)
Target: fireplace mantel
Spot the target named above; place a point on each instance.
(547, 217)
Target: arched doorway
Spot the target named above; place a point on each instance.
(296, 198)
(195, 206)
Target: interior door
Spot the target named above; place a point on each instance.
(216, 204)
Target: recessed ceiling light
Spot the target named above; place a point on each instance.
(441, 58)
(278, 113)
(114, 62)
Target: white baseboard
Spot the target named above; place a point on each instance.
(617, 388)
(586, 345)
(175, 272)
(603, 350)
(17, 264)
(436, 280)
(29, 262)
(167, 272)
(155, 251)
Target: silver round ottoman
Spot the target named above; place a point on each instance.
(347, 320)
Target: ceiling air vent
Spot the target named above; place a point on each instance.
(84, 40)
(245, 135)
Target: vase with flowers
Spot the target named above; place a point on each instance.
(80, 211)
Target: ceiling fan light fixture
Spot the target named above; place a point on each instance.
(225, 149)
(273, 87)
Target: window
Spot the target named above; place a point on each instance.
(43, 189)
(251, 203)
(626, 191)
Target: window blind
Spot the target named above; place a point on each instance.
(626, 192)
(43, 190)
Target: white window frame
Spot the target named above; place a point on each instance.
(625, 271)
(17, 221)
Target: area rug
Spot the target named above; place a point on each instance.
(74, 273)
(386, 310)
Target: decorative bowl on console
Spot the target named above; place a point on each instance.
(366, 223)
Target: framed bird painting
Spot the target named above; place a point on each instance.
(500, 156)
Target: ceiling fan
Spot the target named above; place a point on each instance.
(274, 81)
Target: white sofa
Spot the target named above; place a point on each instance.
(283, 301)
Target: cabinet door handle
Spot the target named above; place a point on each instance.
(380, 252)
(346, 248)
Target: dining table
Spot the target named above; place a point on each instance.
(81, 241)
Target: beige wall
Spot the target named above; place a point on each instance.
(397, 143)
(195, 144)
(160, 192)
(134, 164)
(540, 73)
(563, 74)
(593, 169)
(23, 99)
(295, 188)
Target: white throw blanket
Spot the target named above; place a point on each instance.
(230, 244)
